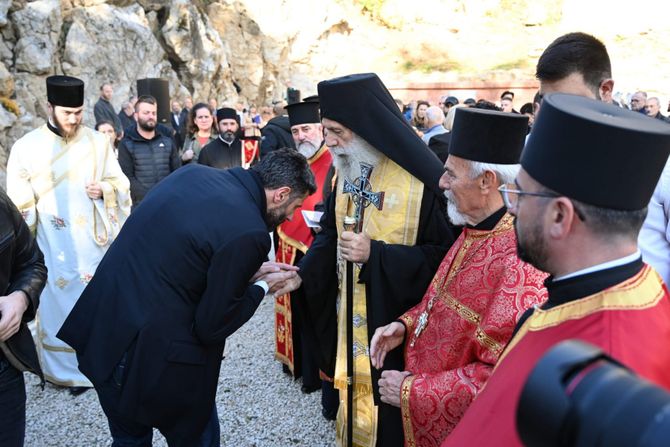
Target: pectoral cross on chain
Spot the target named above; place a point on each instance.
(362, 195)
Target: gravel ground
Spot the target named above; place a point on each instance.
(258, 405)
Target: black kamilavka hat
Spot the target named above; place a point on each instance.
(596, 153)
(227, 113)
(65, 91)
(488, 136)
(303, 113)
(362, 103)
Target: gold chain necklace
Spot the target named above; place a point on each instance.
(422, 322)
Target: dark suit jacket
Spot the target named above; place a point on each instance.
(170, 290)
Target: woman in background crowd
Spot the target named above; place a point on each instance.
(200, 131)
(107, 127)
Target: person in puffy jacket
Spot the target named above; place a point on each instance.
(145, 155)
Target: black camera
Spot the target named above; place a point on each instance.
(577, 396)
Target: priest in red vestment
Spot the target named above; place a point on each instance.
(294, 239)
(588, 172)
(454, 336)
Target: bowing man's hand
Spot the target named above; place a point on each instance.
(389, 386)
(386, 339)
(272, 267)
(277, 280)
(289, 285)
(355, 247)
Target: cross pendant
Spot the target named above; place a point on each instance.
(422, 323)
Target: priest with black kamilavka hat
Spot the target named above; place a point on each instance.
(386, 226)
(588, 172)
(230, 150)
(292, 336)
(453, 338)
(67, 183)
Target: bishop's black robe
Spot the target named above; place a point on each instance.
(395, 278)
(221, 155)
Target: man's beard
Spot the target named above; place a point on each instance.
(147, 125)
(532, 248)
(228, 136)
(275, 217)
(347, 159)
(455, 216)
(307, 149)
(67, 131)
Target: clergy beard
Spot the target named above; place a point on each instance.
(275, 217)
(307, 149)
(532, 248)
(347, 159)
(66, 130)
(228, 137)
(456, 217)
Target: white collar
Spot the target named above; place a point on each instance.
(604, 266)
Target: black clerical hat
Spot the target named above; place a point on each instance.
(313, 98)
(65, 91)
(227, 113)
(596, 153)
(488, 136)
(303, 113)
(362, 103)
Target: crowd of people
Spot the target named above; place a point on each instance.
(425, 256)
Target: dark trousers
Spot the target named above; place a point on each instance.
(12, 405)
(129, 433)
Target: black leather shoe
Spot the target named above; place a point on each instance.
(77, 390)
(330, 415)
(310, 389)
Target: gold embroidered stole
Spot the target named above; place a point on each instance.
(396, 223)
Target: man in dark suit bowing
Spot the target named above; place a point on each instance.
(185, 272)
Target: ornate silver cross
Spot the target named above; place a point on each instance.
(362, 195)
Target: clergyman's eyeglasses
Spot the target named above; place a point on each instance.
(511, 198)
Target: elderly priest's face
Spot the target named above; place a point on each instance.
(465, 196)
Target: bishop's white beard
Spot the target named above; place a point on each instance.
(307, 149)
(347, 159)
(456, 217)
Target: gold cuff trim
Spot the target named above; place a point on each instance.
(405, 392)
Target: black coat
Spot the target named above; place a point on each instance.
(218, 154)
(276, 134)
(170, 290)
(395, 278)
(21, 268)
(147, 162)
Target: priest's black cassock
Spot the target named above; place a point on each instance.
(221, 155)
(395, 276)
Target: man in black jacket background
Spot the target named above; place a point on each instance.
(145, 155)
(22, 278)
(277, 132)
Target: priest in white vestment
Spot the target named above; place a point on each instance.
(65, 180)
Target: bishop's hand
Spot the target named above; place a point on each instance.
(386, 339)
(272, 267)
(355, 247)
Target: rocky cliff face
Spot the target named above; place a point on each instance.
(252, 50)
